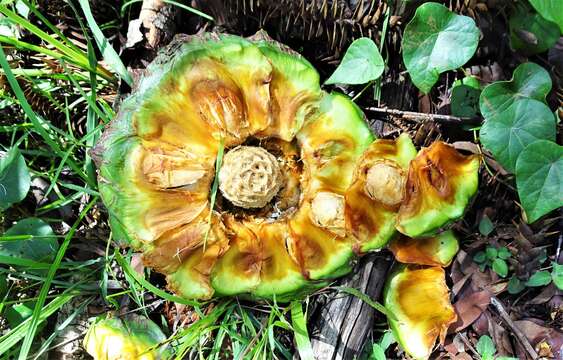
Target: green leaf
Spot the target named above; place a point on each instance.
(557, 275)
(530, 32)
(486, 226)
(377, 353)
(500, 267)
(551, 10)
(465, 97)
(17, 313)
(110, 55)
(37, 241)
(508, 133)
(491, 252)
(539, 178)
(9, 340)
(437, 40)
(539, 278)
(299, 324)
(515, 285)
(504, 253)
(386, 340)
(529, 80)
(362, 63)
(480, 257)
(485, 347)
(14, 178)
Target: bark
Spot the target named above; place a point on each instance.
(157, 19)
(343, 323)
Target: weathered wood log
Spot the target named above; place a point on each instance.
(342, 323)
(157, 19)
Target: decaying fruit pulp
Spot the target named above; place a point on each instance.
(132, 337)
(420, 301)
(299, 186)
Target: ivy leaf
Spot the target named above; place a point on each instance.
(437, 40)
(465, 97)
(515, 285)
(551, 10)
(530, 32)
(14, 178)
(529, 80)
(500, 267)
(539, 178)
(480, 257)
(557, 275)
(486, 226)
(539, 278)
(362, 63)
(491, 252)
(509, 132)
(485, 347)
(504, 253)
(30, 238)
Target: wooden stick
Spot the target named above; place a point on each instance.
(342, 325)
(519, 335)
(422, 117)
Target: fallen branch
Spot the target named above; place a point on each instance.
(423, 117)
(519, 334)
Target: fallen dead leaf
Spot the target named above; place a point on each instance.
(469, 308)
(537, 334)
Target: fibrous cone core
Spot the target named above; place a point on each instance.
(250, 177)
(385, 182)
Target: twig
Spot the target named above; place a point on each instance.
(422, 117)
(465, 340)
(521, 337)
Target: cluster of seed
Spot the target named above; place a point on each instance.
(250, 177)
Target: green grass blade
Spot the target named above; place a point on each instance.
(110, 56)
(360, 295)
(9, 340)
(190, 9)
(52, 27)
(299, 324)
(147, 285)
(24, 23)
(36, 316)
(34, 118)
(180, 5)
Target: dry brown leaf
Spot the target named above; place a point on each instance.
(469, 308)
(538, 334)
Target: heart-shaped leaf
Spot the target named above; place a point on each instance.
(529, 80)
(31, 239)
(437, 40)
(465, 97)
(509, 132)
(551, 10)
(361, 63)
(539, 177)
(14, 178)
(530, 32)
(557, 275)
